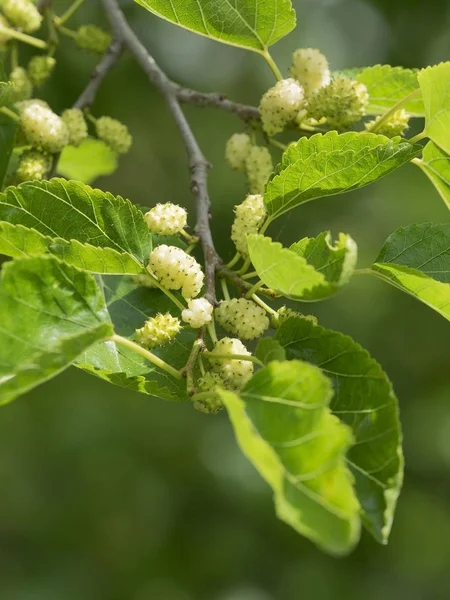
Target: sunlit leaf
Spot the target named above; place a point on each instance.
(436, 165)
(8, 129)
(92, 159)
(435, 85)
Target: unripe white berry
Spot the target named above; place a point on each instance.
(259, 167)
(76, 125)
(23, 88)
(280, 105)
(211, 404)
(342, 102)
(242, 317)
(166, 219)
(235, 373)
(238, 147)
(177, 270)
(22, 14)
(397, 124)
(43, 129)
(114, 133)
(158, 331)
(198, 313)
(40, 68)
(33, 165)
(4, 35)
(249, 218)
(310, 68)
(93, 39)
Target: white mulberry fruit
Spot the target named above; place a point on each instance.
(238, 147)
(177, 270)
(211, 404)
(76, 126)
(22, 14)
(23, 88)
(249, 218)
(40, 68)
(280, 105)
(234, 372)
(33, 165)
(158, 331)
(166, 219)
(342, 102)
(43, 129)
(310, 68)
(242, 317)
(198, 313)
(259, 167)
(397, 124)
(114, 133)
(93, 39)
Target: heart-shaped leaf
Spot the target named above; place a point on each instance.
(92, 159)
(435, 85)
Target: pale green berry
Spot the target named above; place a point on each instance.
(280, 105)
(145, 281)
(242, 317)
(198, 313)
(235, 372)
(158, 331)
(40, 68)
(33, 165)
(342, 102)
(114, 133)
(211, 404)
(23, 87)
(22, 14)
(310, 68)
(43, 129)
(4, 36)
(397, 124)
(284, 313)
(177, 270)
(166, 219)
(76, 126)
(93, 39)
(249, 218)
(238, 147)
(259, 167)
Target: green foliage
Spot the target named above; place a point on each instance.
(8, 130)
(251, 24)
(435, 85)
(92, 159)
(87, 228)
(365, 401)
(6, 93)
(50, 313)
(284, 426)
(314, 169)
(416, 259)
(388, 85)
(436, 165)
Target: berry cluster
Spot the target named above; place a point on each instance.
(242, 317)
(249, 217)
(255, 161)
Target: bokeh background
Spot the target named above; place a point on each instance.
(110, 495)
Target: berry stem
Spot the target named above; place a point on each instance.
(226, 293)
(387, 115)
(244, 267)
(69, 12)
(250, 275)
(272, 64)
(212, 332)
(25, 38)
(165, 291)
(418, 137)
(236, 258)
(67, 32)
(188, 370)
(10, 113)
(243, 357)
(158, 362)
(14, 56)
(265, 306)
(254, 289)
(277, 144)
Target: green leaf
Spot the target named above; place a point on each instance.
(130, 306)
(314, 169)
(92, 159)
(310, 270)
(387, 86)
(281, 269)
(49, 314)
(88, 228)
(8, 129)
(436, 165)
(365, 401)
(435, 85)
(251, 24)
(6, 93)
(269, 350)
(416, 259)
(284, 426)
(336, 262)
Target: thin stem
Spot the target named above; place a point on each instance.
(272, 64)
(265, 226)
(14, 56)
(188, 370)
(265, 306)
(10, 113)
(212, 332)
(244, 267)
(243, 357)
(165, 291)
(387, 115)
(67, 32)
(201, 365)
(191, 239)
(250, 275)
(23, 37)
(277, 144)
(69, 12)
(363, 272)
(158, 362)
(236, 258)
(226, 293)
(254, 288)
(418, 137)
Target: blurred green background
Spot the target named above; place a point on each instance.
(111, 495)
